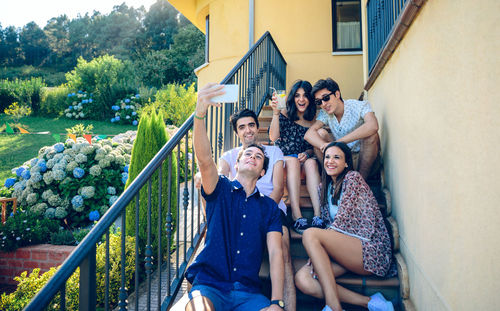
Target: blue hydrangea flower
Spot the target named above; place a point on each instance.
(9, 182)
(137, 96)
(134, 122)
(117, 118)
(124, 178)
(73, 94)
(80, 92)
(33, 162)
(42, 165)
(70, 107)
(26, 174)
(59, 147)
(125, 168)
(134, 113)
(19, 171)
(127, 101)
(85, 101)
(78, 172)
(111, 190)
(90, 100)
(115, 107)
(112, 120)
(112, 200)
(94, 216)
(77, 201)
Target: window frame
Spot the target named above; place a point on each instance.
(340, 51)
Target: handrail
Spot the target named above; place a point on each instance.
(262, 66)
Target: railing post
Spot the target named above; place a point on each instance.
(88, 297)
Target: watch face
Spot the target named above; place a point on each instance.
(281, 303)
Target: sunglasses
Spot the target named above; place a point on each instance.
(325, 98)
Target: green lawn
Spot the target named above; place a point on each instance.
(15, 149)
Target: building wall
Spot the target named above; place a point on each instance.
(303, 33)
(436, 102)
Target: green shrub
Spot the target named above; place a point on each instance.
(51, 76)
(62, 237)
(25, 228)
(151, 136)
(25, 92)
(30, 284)
(53, 100)
(80, 129)
(108, 79)
(178, 101)
(17, 112)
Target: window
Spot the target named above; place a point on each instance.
(207, 37)
(346, 25)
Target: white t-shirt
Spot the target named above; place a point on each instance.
(354, 112)
(265, 183)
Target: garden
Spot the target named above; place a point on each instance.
(68, 153)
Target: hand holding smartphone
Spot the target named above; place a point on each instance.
(231, 95)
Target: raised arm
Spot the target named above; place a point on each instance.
(274, 128)
(206, 164)
(368, 128)
(312, 136)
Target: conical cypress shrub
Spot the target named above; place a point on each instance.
(151, 137)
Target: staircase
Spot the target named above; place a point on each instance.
(395, 288)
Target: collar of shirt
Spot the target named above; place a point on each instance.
(237, 186)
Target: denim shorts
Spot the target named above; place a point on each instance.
(236, 299)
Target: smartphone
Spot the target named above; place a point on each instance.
(231, 95)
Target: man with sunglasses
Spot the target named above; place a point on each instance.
(351, 121)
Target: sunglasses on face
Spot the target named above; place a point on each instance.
(325, 98)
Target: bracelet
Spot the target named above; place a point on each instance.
(276, 114)
(200, 118)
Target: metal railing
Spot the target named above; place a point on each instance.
(263, 66)
(382, 16)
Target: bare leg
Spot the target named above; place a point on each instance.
(368, 153)
(289, 296)
(292, 166)
(310, 286)
(312, 182)
(200, 303)
(320, 246)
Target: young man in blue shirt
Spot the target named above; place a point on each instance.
(225, 275)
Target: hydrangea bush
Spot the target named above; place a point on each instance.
(74, 182)
(78, 105)
(125, 110)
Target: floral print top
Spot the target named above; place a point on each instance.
(359, 216)
(291, 140)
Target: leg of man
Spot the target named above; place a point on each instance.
(205, 298)
(326, 136)
(369, 150)
(289, 296)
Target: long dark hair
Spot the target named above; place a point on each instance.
(291, 109)
(326, 181)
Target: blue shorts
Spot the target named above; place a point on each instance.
(236, 299)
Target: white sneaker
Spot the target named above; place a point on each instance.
(326, 308)
(379, 303)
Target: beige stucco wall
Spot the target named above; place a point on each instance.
(303, 33)
(437, 104)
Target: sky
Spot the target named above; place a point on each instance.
(20, 12)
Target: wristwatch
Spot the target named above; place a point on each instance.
(278, 302)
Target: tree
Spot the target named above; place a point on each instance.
(161, 24)
(151, 136)
(34, 43)
(57, 32)
(13, 52)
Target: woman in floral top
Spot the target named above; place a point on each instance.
(356, 238)
(287, 130)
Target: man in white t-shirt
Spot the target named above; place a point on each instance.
(246, 125)
(351, 121)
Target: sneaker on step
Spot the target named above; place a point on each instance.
(317, 222)
(379, 303)
(326, 308)
(300, 225)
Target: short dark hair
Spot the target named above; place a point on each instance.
(328, 84)
(291, 109)
(266, 158)
(242, 114)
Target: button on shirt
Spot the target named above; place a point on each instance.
(237, 229)
(354, 112)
